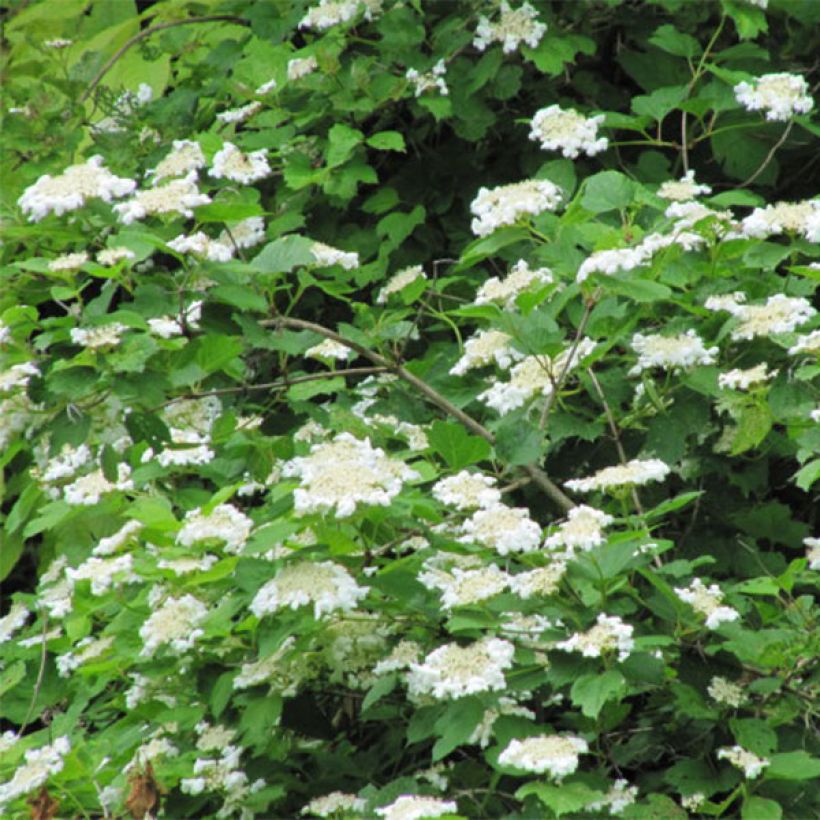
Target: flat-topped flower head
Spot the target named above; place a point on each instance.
(781, 96)
(325, 585)
(399, 282)
(749, 763)
(201, 245)
(780, 314)
(245, 112)
(329, 349)
(726, 692)
(582, 530)
(68, 262)
(178, 197)
(556, 755)
(495, 208)
(40, 764)
(738, 379)
(104, 574)
(95, 338)
(454, 671)
(485, 348)
(504, 292)
(567, 131)
(72, 189)
(511, 28)
(609, 262)
(232, 163)
(634, 472)
(432, 80)
(706, 601)
(109, 257)
(223, 523)
(683, 190)
(185, 156)
(334, 804)
(782, 217)
(466, 587)
(246, 233)
(467, 491)
(325, 256)
(503, 529)
(331, 13)
(610, 634)
(173, 623)
(417, 807)
(300, 67)
(616, 799)
(679, 352)
(18, 375)
(808, 343)
(539, 582)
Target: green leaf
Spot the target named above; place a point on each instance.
(660, 102)
(11, 676)
(456, 446)
(591, 692)
(11, 548)
(517, 442)
(228, 211)
(489, 246)
(798, 765)
(284, 254)
(455, 726)
(215, 351)
(221, 693)
(752, 427)
(639, 290)
(387, 141)
(807, 476)
(239, 297)
(342, 139)
(383, 686)
(760, 808)
(755, 735)
(155, 512)
(669, 39)
(607, 191)
(567, 798)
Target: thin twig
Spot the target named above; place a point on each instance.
(534, 472)
(684, 146)
(769, 157)
(212, 18)
(40, 675)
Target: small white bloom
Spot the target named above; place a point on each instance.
(399, 282)
(244, 234)
(232, 163)
(326, 256)
(224, 523)
(706, 601)
(744, 379)
(330, 13)
(567, 131)
(432, 80)
(94, 338)
(751, 764)
(333, 804)
(484, 348)
(180, 197)
(466, 491)
(104, 573)
(241, 114)
(633, 472)
(201, 245)
(416, 807)
(684, 189)
(68, 262)
(553, 754)
(504, 292)
(505, 205)
(110, 256)
(616, 799)
(609, 634)
(679, 352)
(807, 343)
(513, 27)
(812, 546)
(610, 262)
(40, 764)
(782, 217)
(329, 349)
(781, 96)
(724, 691)
(87, 489)
(780, 314)
(582, 530)
(13, 620)
(504, 529)
(18, 375)
(541, 582)
(184, 158)
(466, 587)
(173, 623)
(300, 67)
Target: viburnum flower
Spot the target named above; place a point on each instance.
(175, 623)
(582, 530)
(13, 620)
(632, 473)
(244, 234)
(300, 67)
(94, 338)
(266, 88)
(334, 804)
(812, 546)
(39, 765)
(724, 691)
(332, 12)
(609, 634)
(504, 292)
(744, 379)
(201, 245)
(542, 581)
(707, 601)
(329, 349)
(185, 156)
(504, 529)
(223, 523)
(494, 208)
(484, 348)
(179, 197)
(482, 734)
(110, 256)
(240, 114)
(466, 587)
(326, 585)
(68, 262)
(326, 256)
(751, 764)
(781, 95)
(679, 352)
(18, 375)
(399, 282)
(782, 217)
(612, 261)
(416, 807)
(401, 656)
(567, 131)
(232, 163)
(616, 799)
(553, 754)
(467, 491)
(684, 189)
(808, 343)
(72, 189)
(513, 27)
(104, 573)
(432, 80)
(780, 314)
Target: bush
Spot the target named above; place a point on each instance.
(409, 409)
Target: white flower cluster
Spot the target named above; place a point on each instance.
(634, 472)
(232, 163)
(185, 156)
(503, 529)
(609, 634)
(684, 189)
(72, 189)
(244, 112)
(87, 489)
(494, 208)
(180, 197)
(679, 352)
(104, 573)
(582, 530)
(432, 80)
(201, 245)
(539, 582)
(189, 422)
(453, 671)
(344, 473)
(466, 491)
(13, 620)
(781, 96)
(402, 656)
(513, 27)
(738, 379)
(329, 349)
(751, 764)
(807, 343)
(326, 585)
(39, 766)
(224, 523)
(266, 87)
(18, 375)
(483, 733)
(89, 649)
(706, 601)
(175, 623)
(553, 754)
(484, 348)
(279, 669)
(416, 807)
(300, 67)
(567, 131)
(812, 546)
(167, 326)
(724, 691)
(68, 262)
(505, 291)
(784, 217)
(108, 257)
(534, 376)
(466, 587)
(95, 338)
(399, 282)
(333, 12)
(325, 256)
(610, 262)
(616, 799)
(334, 804)
(780, 314)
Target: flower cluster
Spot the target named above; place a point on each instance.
(632, 473)
(781, 96)
(513, 27)
(553, 754)
(416, 807)
(432, 80)
(326, 256)
(780, 314)
(466, 587)
(738, 379)
(300, 67)
(609, 634)
(504, 292)
(174, 622)
(333, 804)
(485, 348)
(503, 529)
(232, 163)
(398, 282)
(466, 491)
(784, 217)
(494, 208)
(679, 352)
(180, 197)
(184, 158)
(39, 766)
(750, 763)
(582, 530)
(707, 601)
(684, 189)
(724, 691)
(567, 131)
(224, 523)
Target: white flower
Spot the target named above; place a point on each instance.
(241, 114)
(616, 799)
(505, 205)
(168, 326)
(232, 163)
(581, 530)
(482, 734)
(201, 245)
(724, 691)
(780, 314)
(484, 348)
(611, 261)
(39, 766)
(110, 256)
(505, 291)
(275, 669)
(329, 349)
(567, 131)
(68, 262)
(326, 256)
(72, 189)
(706, 601)
(416, 807)
(453, 671)
(90, 649)
(399, 282)
(807, 343)
(58, 43)
(185, 157)
(466, 587)
(432, 80)
(609, 634)
(244, 234)
(555, 754)
(401, 656)
(633, 472)
(466, 491)
(183, 566)
(224, 523)
(671, 352)
(812, 546)
(693, 802)
(326, 585)
(751, 764)
(18, 375)
(87, 489)
(542, 581)
(782, 217)
(266, 88)
(66, 463)
(344, 473)
(104, 573)
(684, 189)
(300, 67)
(179, 197)
(744, 379)
(781, 95)
(330, 13)
(334, 803)
(513, 27)
(13, 620)
(173, 623)
(504, 529)
(93, 338)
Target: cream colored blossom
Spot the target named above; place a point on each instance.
(505, 205)
(567, 131)
(511, 28)
(553, 754)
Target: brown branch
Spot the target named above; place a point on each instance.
(212, 18)
(38, 683)
(433, 396)
(769, 157)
